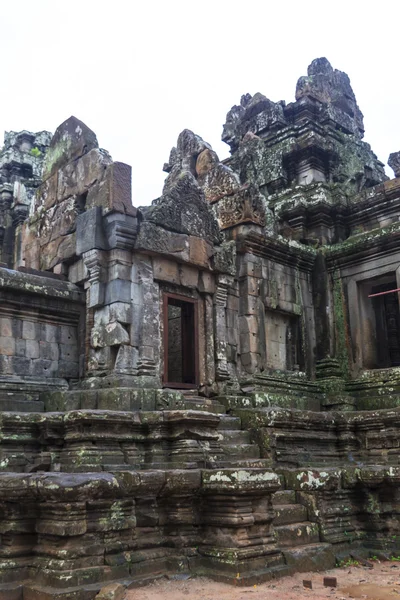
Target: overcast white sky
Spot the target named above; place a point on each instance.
(137, 73)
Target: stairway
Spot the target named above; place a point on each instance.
(194, 402)
(238, 450)
(297, 537)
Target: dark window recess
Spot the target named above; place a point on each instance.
(386, 310)
(180, 342)
(80, 203)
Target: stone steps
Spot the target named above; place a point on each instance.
(240, 451)
(246, 463)
(287, 514)
(291, 526)
(284, 497)
(16, 405)
(228, 422)
(296, 534)
(205, 404)
(310, 557)
(233, 437)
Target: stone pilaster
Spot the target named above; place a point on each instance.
(221, 342)
(209, 340)
(146, 302)
(94, 261)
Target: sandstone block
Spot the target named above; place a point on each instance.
(224, 258)
(120, 230)
(68, 352)
(50, 333)
(200, 251)
(119, 271)
(76, 178)
(127, 358)
(57, 221)
(46, 195)
(43, 368)
(100, 360)
(69, 335)
(118, 399)
(206, 282)
(66, 369)
(6, 327)
(77, 272)
(121, 311)
(20, 365)
(155, 239)
(57, 251)
(189, 276)
(7, 346)
(71, 140)
(112, 334)
(96, 294)
(118, 290)
(32, 349)
(29, 330)
(89, 231)
(20, 347)
(166, 270)
(6, 366)
(114, 192)
(49, 350)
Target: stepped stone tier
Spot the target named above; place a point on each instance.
(209, 384)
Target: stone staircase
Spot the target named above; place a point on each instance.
(238, 450)
(297, 537)
(193, 402)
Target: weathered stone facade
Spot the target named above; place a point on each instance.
(210, 384)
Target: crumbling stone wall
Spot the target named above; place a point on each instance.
(41, 341)
(38, 348)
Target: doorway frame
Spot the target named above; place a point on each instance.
(195, 303)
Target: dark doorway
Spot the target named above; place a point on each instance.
(180, 342)
(386, 308)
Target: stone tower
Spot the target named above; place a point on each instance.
(21, 161)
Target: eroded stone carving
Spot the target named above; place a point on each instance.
(394, 163)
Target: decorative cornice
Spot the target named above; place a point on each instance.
(279, 249)
(370, 245)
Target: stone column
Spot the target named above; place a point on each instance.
(6, 225)
(146, 322)
(220, 305)
(250, 347)
(326, 364)
(209, 341)
(94, 261)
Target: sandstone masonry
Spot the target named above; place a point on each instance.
(206, 385)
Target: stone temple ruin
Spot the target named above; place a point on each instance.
(210, 384)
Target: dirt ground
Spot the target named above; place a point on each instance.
(382, 582)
